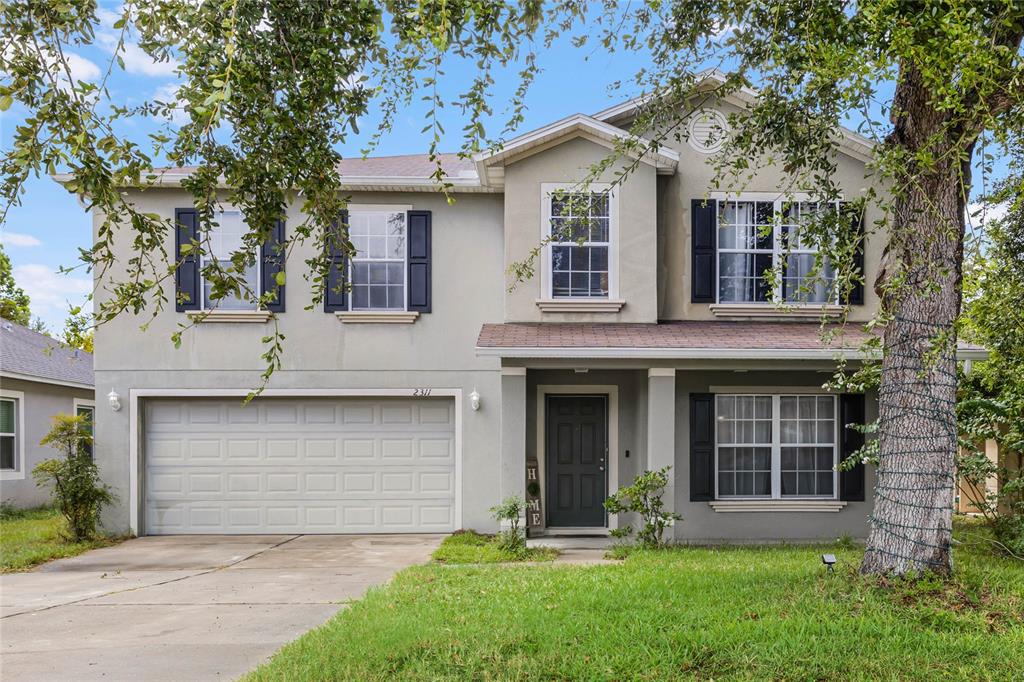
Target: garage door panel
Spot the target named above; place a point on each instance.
(300, 465)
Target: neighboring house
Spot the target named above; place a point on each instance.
(39, 378)
(413, 401)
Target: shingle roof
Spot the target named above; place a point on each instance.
(718, 337)
(403, 166)
(31, 354)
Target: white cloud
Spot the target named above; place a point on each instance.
(168, 94)
(8, 238)
(136, 60)
(980, 213)
(81, 68)
(50, 292)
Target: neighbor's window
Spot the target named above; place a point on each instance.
(580, 224)
(87, 412)
(224, 239)
(8, 434)
(377, 271)
(755, 237)
(775, 446)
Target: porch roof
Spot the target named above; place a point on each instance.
(694, 339)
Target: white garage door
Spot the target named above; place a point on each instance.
(291, 465)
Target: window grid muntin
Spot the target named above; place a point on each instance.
(379, 249)
(819, 436)
(743, 437)
(776, 251)
(776, 447)
(564, 248)
(217, 250)
(9, 438)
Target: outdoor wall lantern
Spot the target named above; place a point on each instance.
(474, 400)
(115, 400)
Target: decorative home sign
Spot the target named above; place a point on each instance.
(534, 515)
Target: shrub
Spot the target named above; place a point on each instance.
(644, 498)
(511, 540)
(78, 492)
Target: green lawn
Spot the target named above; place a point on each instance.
(727, 613)
(33, 536)
(472, 548)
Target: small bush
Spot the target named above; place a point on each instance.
(78, 492)
(511, 540)
(644, 498)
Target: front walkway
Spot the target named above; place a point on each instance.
(186, 607)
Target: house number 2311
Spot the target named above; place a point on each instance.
(421, 392)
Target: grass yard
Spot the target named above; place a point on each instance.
(33, 536)
(725, 613)
(472, 548)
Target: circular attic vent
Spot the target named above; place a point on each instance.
(708, 129)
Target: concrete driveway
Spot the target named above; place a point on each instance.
(186, 607)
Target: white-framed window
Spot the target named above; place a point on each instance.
(224, 239)
(12, 430)
(581, 230)
(776, 446)
(87, 409)
(377, 271)
(759, 234)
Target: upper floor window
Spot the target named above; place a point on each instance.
(756, 238)
(225, 238)
(580, 228)
(378, 268)
(776, 446)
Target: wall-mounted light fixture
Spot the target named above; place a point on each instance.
(474, 400)
(115, 400)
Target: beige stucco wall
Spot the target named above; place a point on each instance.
(693, 178)
(570, 162)
(467, 292)
(437, 351)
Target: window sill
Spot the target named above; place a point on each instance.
(251, 316)
(762, 310)
(580, 305)
(760, 506)
(11, 475)
(376, 316)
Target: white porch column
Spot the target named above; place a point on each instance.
(513, 432)
(661, 426)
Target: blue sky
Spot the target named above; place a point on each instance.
(46, 231)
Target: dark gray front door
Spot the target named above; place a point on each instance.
(575, 455)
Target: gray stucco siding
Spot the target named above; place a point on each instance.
(41, 402)
(703, 524)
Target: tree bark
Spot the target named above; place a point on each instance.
(920, 287)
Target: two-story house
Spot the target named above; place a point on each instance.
(414, 398)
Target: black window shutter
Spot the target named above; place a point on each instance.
(272, 254)
(702, 447)
(419, 261)
(851, 411)
(186, 277)
(336, 296)
(855, 296)
(704, 263)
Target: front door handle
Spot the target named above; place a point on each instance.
(600, 468)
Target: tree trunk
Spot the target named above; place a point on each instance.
(920, 286)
